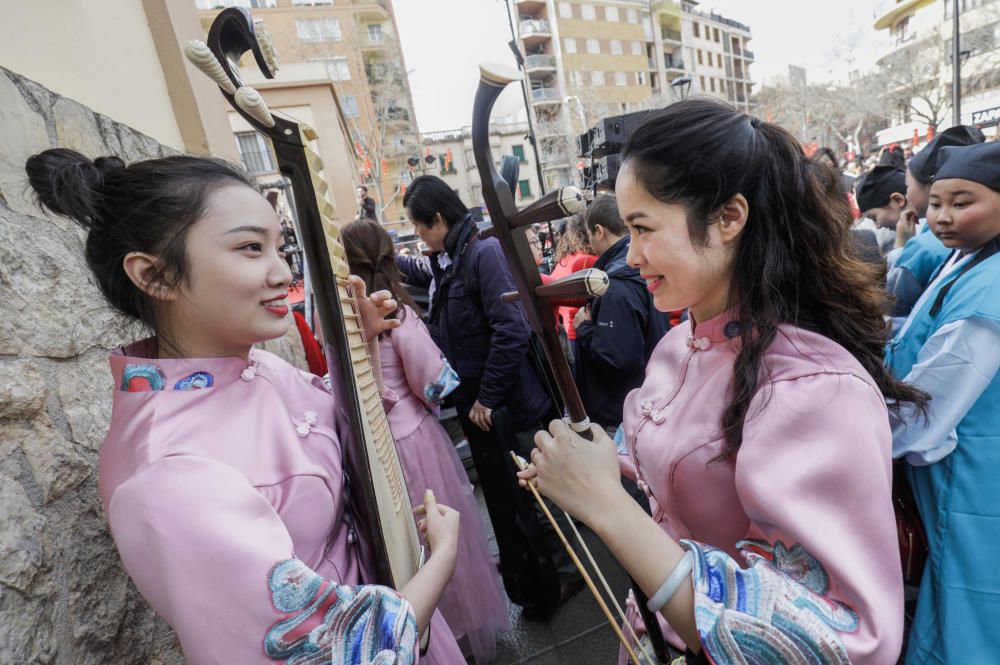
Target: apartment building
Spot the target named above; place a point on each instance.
(915, 63)
(349, 52)
(454, 163)
(586, 60)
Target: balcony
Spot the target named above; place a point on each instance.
(748, 54)
(554, 159)
(673, 64)
(671, 36)
(530, 6)
(534, 31)
(545, 96)
(888, 12)
(545, 130)
(373, 10)
(669, 11)
(540, 62)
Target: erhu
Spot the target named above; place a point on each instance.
(536, 299)
(374, 477)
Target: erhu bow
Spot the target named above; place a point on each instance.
(374, 478)
(536, 300)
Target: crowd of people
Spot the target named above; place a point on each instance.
(774, 335)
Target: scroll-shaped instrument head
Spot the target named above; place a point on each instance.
(498, 75)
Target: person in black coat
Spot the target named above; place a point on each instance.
(616, 334)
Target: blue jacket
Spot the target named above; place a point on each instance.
(919, 258)
(612, 348)
(485, 339)
(959, 496)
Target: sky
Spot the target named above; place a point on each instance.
(445, 40)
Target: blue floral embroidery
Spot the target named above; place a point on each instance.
(338, 625)
(774, 611)
(195, 381)
(142, 378)
(446, 382)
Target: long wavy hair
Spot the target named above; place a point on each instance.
(371, 256)
(794, 263)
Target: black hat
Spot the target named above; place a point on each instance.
(876, 186)
(924, 164)
(978, 163)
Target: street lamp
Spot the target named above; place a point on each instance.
(681, 86)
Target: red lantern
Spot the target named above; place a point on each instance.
(930, 133)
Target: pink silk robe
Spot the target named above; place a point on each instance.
(796, 552)
(224, 490)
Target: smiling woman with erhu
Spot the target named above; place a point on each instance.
(760, 433)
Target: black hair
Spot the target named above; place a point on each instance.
(364, 188)
(794, 262)
(428, 195)
(893, 156)
(148, 206)
(603, 210)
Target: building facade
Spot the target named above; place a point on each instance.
(352, 48)
(915, 65)
(454, 163)
(586, 60)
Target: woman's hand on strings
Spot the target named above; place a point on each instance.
(439, 525)
(373, 309)
(579, 475)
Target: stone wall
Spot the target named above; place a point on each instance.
(64, 597)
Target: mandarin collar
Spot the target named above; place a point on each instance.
(720, 328)
(134, 370)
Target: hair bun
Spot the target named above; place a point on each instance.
(69, 183)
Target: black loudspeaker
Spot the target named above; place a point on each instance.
(583, 142)
(609, 134)
(606, 169)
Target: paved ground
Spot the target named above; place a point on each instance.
(577, 634)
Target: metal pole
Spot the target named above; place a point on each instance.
(527, 104)
(956, 67)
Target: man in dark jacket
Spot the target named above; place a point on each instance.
(617, 335)
(500, 401)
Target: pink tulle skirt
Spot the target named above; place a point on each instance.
(473, 602)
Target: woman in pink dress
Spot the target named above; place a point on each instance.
(760, 433)
(415, 370)
(221, 474)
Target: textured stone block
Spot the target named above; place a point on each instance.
(22, 389)
(26, 136)
(76, 128)
(56, 464)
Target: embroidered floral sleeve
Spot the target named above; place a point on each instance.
(776, 610)
(427, 372)
(336, 624)
(214, 559)
(819, 579)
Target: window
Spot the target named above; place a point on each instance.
(711, 84)
(699, 58)
(593, 46)
(570, 45)
(636, 48)
(620, 78)
(631, 16)
(524, 188)
(611, 14)
(349, 105)
(597, 78)
(375, 33)
(719, 56)
(565, 10)
(715, 34)
(318, 29)
(616, 47)
(701, 81)
(697, 29)
(588, 12)
(518, 151)
(310, 3)
(338, 69)
(576, 78)
(640, 78)
(255, 153)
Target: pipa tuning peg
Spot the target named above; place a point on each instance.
(250, 101)
(201, 56)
